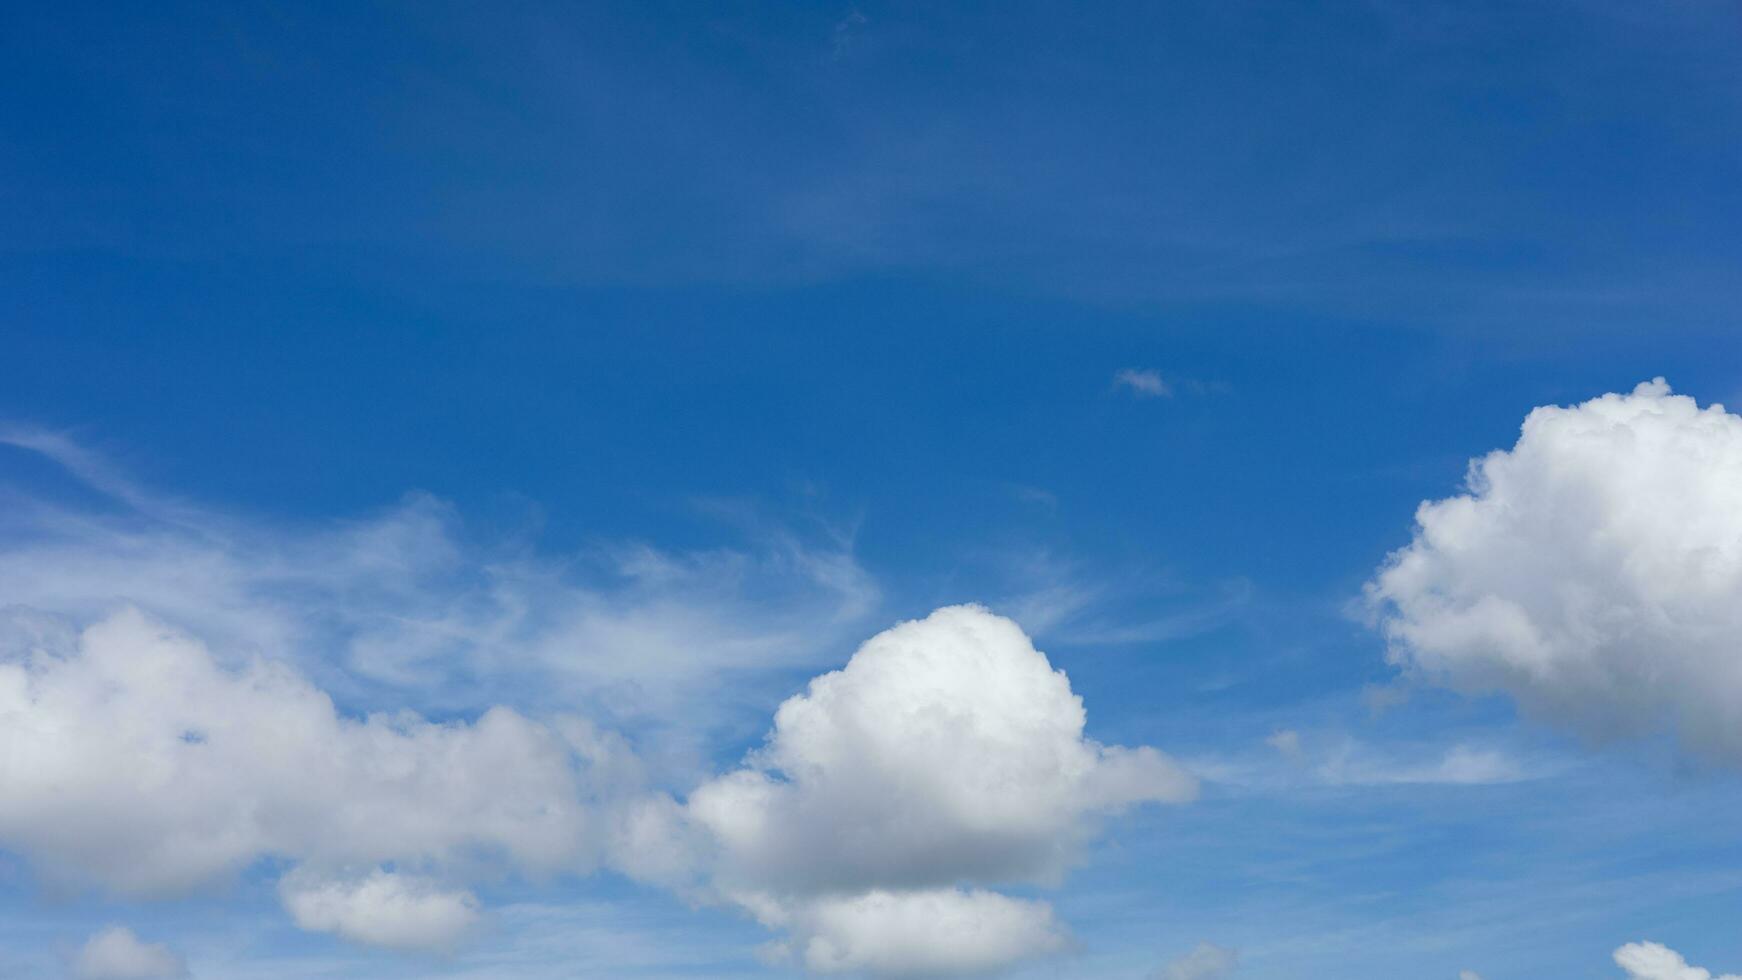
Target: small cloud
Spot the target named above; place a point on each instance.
(1143, 383)
(845, 30)
(1655, 961)
(117, 954)
(1380, 698)
(384, 909)
(1286, 741)
(1206, 962)
(1469, 975)
(1037, 496)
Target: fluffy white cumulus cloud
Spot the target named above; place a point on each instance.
(947, 750)
(1206, 961)
(1593, 572)
(117, 954)
(381, 908)
(174, 665)
(217, 767)
(1655, 961)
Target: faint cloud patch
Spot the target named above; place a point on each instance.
(1285, 741)
(847, 29)
(1294, 759)
(1205, 962)
(117, 953)
(1142, 383)
(1061, 600)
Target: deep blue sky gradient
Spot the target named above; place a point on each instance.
(874, 266)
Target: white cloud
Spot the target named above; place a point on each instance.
(216, 768)
(1143, 383)
(934, 932)
(948, 750)
(117, 954)
(1469, 975)
(1205, 962)
(1593, 572)
(946, 757)
(173, 663)
(1329, 760)
(1655, 961)
(406, 601)
(1459, 765)
(383, 909)
(1285, 741)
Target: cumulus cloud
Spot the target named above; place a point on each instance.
(174, 665)
(393, 911)
(1593, 572)
(1469, 975)
(216, 768)
(1142, 383)
(1655, 961)
(947, 750)
(117, 954)
(1205, 962)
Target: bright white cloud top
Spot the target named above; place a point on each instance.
(947, 751)
(1593, 572)
(1655, 961)
(946, 758)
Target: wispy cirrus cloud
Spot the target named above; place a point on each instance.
(405, 599)
(171, 670)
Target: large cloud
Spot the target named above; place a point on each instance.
(174, 663)
(1655, 961)
(946, 757)
(1593, 572)
(947, 751)
(216, 768)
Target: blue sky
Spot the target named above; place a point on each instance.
(638, 362)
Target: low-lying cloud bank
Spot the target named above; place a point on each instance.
(169, 664)
(218, 768)
(1593, 572)
(946, 756)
